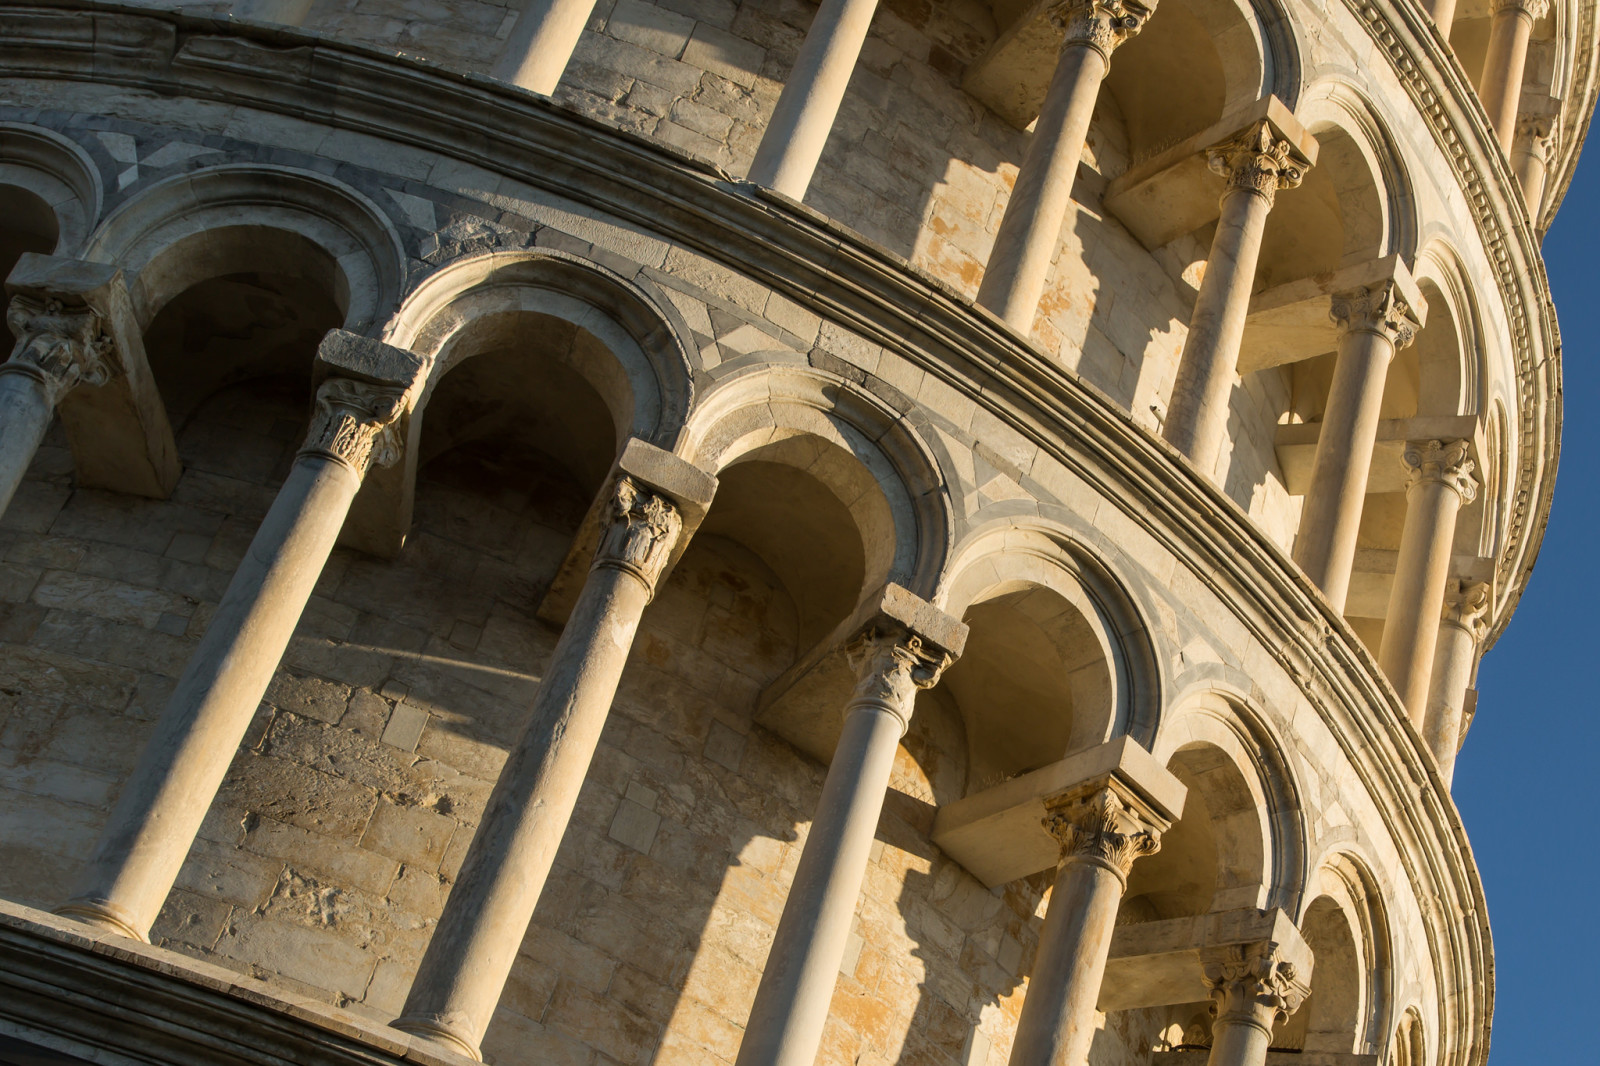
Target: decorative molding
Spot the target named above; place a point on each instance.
(59, 347)
(1258, 160)
(1534, 9)
(1252, 984)
(1445, 462)
(640, 535)
(1102, 829)
(1376, 309)
(891, 667)
(355, 424)
(1466, 606)
(1104, 25)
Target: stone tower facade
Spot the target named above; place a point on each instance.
(735, 533)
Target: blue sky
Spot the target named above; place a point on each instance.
(1528, 780)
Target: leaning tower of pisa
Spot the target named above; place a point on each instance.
(739, 533)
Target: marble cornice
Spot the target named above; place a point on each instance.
(823, 265)
(1449, 103)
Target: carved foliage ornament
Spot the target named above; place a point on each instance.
(1442, 461)
(58, 347)
(1101, 828)
(1466, 604)
(891, 665)
(1376, 309)
(355, 423)
(1537, 135)
(1252, 984)
(1103, 25)
(1258, 160)
(1534, 9)
(639, 533)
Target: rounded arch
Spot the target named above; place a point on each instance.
(254, 219)
(1236, 771)
(1346, 925)
(1055, 641)
(1446, 355)
(1409, 1047)
(1354, 206)
(868, 457)
(53, 171)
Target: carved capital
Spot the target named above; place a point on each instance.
(1443, 461)
(1103, 25)
(1103, 829)
(1252, 984)
(1466, 604)
(1258, 160)
(891, 666)
(355, 423)
(1533, 9)
(639, 533)
(1376, 309)
(58, 346)
(1537, 136)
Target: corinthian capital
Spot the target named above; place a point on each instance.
(1103, 25)
(59, 346)
(891, 666)
(1442, 461)
(354, 423)
(1379, 309)
(640, 533)
(1533, 9)
(1252, 984)
(1537, 133)
(1259, 160)
(1466, 604)
(1103, 829)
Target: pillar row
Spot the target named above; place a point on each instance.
(151, 828)
(1374, 322)
(1439, 481)
(1255, 164)
(1029, 232)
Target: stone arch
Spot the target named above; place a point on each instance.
(254, 219)
(1242, 822)
(52, 184)
(1225, 53)
(1446, 358)
(1409, 1047)
(1055, 642)
(865, 455)
(1354, 206)
(1346, 925)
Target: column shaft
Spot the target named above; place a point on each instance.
(1500, 88)
(542, 42)
(1375, 322)
(792, 1000)
(164, 801)
(1441, 479)
(153, 824)
(25, 416)
(464, 970)
(1100, 839)
(809, 103)
(1197, 417)
(1026, 242)
(1531, 157)
(1461, 630)
(1443, 13)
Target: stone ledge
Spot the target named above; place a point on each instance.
(98, 997)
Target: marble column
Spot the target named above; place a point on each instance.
(809, 103)
(1253, 987)
(1374, 322)
(891, 665)
(541, 44)
(470, 955)
(57, 348)
(1101, 833)
(1536, 143)
(1026, 242)
(155, 819)
(1462, 627)
(1440, 481)
(1500, 88)
(1256, 164)
(1443, 13)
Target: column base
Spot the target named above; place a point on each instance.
(435, 1028)
(102, 914)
